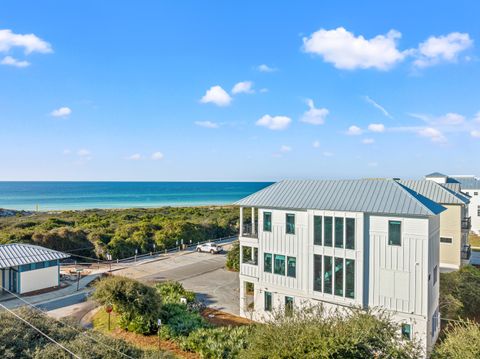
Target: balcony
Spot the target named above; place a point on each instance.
(249, 231)
(466, 252)
(467, 223)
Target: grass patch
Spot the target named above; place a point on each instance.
(474, 240)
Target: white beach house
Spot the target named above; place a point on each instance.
(471, 186)
(27, 268)
(342, 243)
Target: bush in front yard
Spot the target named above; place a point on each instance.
(179, 321)
(171, 292)
(462, 341)
(233, 258)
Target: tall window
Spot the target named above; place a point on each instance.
(317, 230)
(288, 306)
(435, 274)
(478, 211)
(395, 233)
(279, 264)
(350, 278)
(267, 221)
(268, 301)
(338, 232)
(327, 274)
(291, 267)
(267, 262)
(317, 273)
(249, 255)
(339, 276)
(350, 233)
(290, 221)
(328, 231)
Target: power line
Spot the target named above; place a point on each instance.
(67, 325)
(38, 330)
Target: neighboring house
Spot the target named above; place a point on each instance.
(27, 268)
(471, 186)
(345, 243)
(454, 222)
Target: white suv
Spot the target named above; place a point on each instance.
(209, 247)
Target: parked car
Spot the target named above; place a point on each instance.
(209, 247)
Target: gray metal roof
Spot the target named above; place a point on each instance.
(454, 186)
(468, 182)
(435, 174)
(435, 191)
(384, 196)
(18, 254)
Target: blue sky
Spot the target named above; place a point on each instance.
(244, 90)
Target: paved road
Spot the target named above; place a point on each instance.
(63, 302)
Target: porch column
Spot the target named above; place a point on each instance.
(253, 221)
(241, 222)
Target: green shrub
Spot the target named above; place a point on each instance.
(180, 320)
(233, 258)
(172, 291)
(221, 342)
(462, 341)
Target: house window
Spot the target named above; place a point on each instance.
(435, 274)
(267, 262)
(279, 264)
(317, 273)
(434, 322)
(290, 220)
(395, 233)
(350, 278)
(249, 255)
(478, 211)
(288, 306)
(268, 301)
(328, 231)
(317, 230)
(267, 221)
(406, 331)
(338, 232)
(350, 233)
(339, 277)
(475, 193)
(446, 240)
(327, 274)
(291, 267)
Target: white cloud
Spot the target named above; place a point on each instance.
(442, 49)
(274, 122)
(314, 116)
(376, 127)
(243, 87)
(285, 149)
(83, 152)
(216, 95)
(378, 106)
(135, 157)
(316, 144)
(61, 112)
(475, 133)
(207, 124)
(11, 61)
(347, 51)
(29, 42)
(452, 118)
(368, 141)
(476, 118)
(354, 131)
(156, 156)
(327, 154)
(266, 68)
(433, 134)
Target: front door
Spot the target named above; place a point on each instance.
(13, 280)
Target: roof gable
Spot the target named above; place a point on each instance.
(435, 191)
(19, 253)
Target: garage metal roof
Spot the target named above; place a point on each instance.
(385, 196)
(436, 192)
(468, 182)
(18, 254)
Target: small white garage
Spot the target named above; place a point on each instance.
(26, 268)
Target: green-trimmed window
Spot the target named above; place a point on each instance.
(350, 233)
(290, 223)
(267, 221)
(350, 278)
(327, 274)
(267, 262)
(291, 267)
(317, 230)
(328, 228)
(288, 306)
(338, 232)
(268, 301)
(317, 273)
(279, 264)
(395, 233)
(339, 277)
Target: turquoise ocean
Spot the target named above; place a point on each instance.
(46, 196)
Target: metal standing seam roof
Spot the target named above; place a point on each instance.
(469, 182)
(436, 174)
(435, 191)
(16, 254)
(384, 196)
